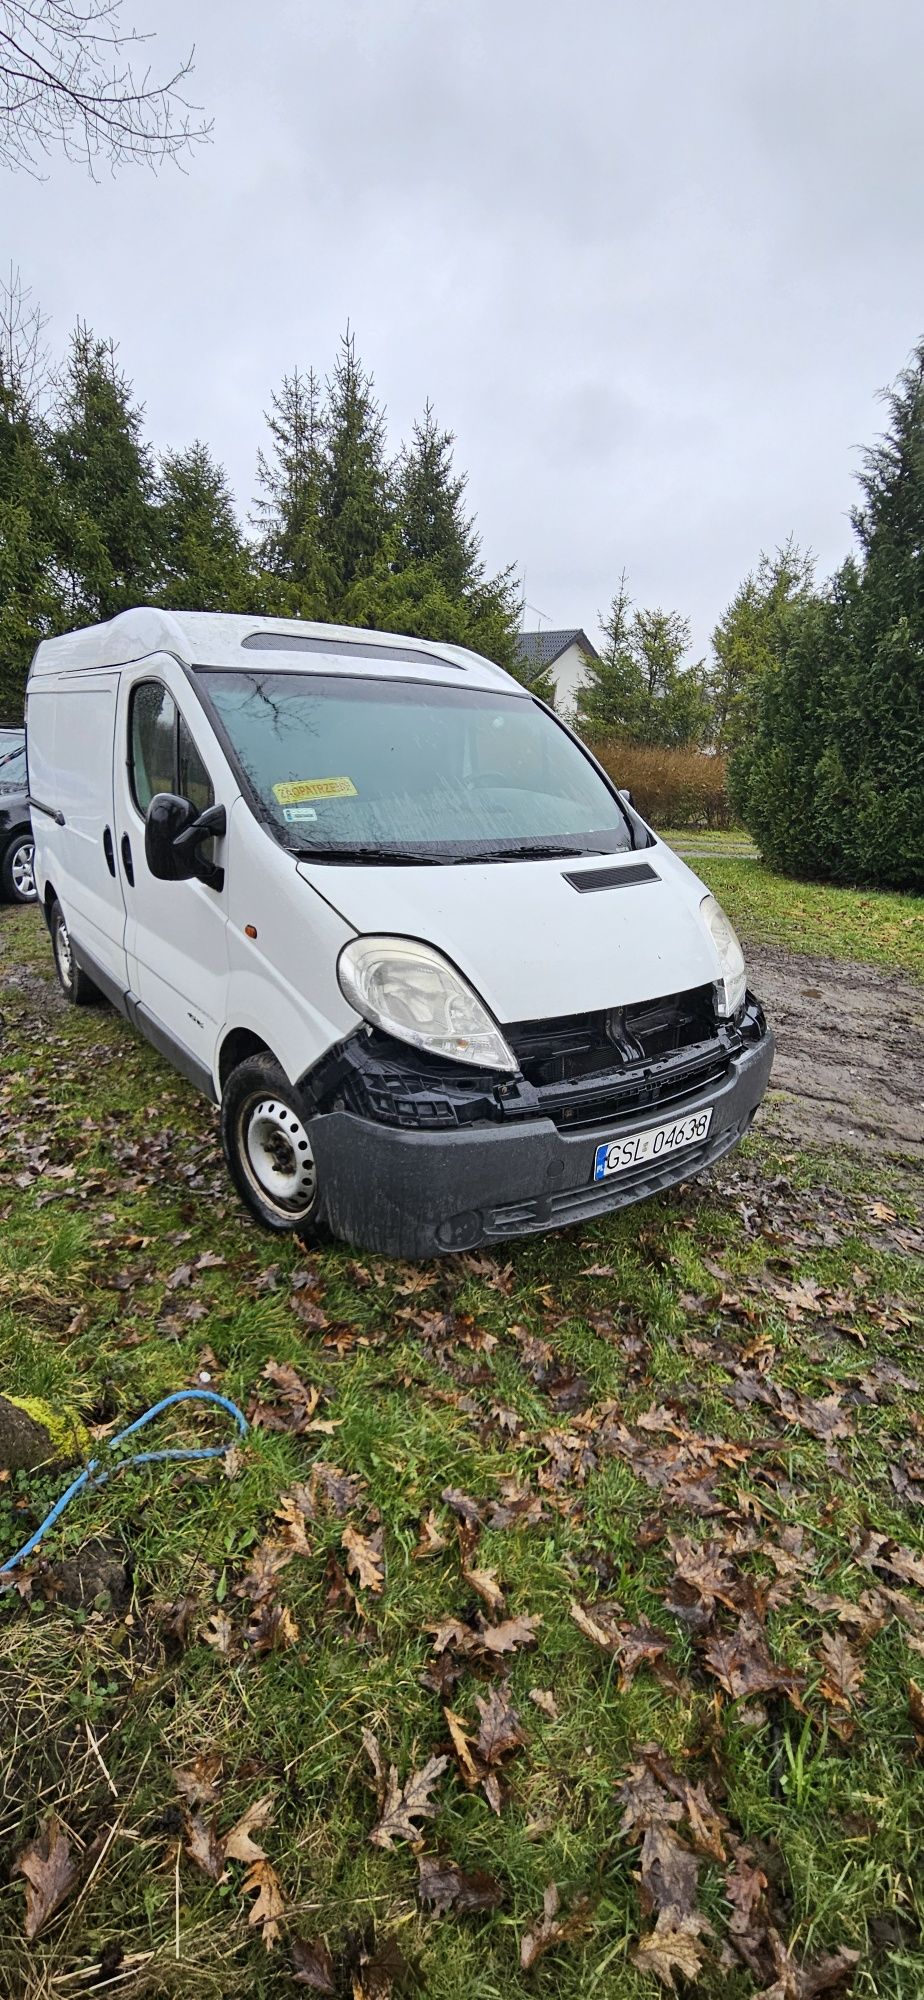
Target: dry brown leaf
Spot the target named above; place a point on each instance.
(269, 1908)
(916, 1707)
(205, 1846)
(50, 1872)
(673, 1946)
(743, 1665)
(484, 1581)
(600, 1623)
(312, 1966)
(499, 1731)
(219, 1633)
(550, 1929)
(461, 1743)
(403, 1804)
(197, 1782)
(291, 1517)
(544, 1699)
(237, 1844)
(843, 1672)
(432, 1542)
(508, 1637)
(443, 1886)
(272, 1630)
(267, 1561)
(365, 1559)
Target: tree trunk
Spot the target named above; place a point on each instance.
(24, 1442)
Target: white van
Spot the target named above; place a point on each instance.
(378, 903)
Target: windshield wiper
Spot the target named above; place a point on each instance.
(400, 857)
(526, 852)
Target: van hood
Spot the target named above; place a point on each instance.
(530, 943)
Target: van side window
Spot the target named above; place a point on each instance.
(193, 781)
(163, 756)
(152, 736)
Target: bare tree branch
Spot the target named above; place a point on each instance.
(67, 81)
(25, 370)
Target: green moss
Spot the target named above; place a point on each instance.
(68, 1434)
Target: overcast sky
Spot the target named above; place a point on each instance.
(651, 261)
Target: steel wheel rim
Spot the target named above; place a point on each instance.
(63, 953)
(276, 1152)
(23, 871)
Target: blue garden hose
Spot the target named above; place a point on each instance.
(90, 1476)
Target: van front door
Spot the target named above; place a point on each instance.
(175, 937)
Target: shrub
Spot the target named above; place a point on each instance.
(672, 788)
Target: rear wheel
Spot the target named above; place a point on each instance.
(17, 870)
(265, 1132)
(73, 981)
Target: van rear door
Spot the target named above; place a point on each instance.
(70, 742)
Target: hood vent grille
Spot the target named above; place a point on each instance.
(624, 877)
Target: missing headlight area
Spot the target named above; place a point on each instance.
(577, 1070)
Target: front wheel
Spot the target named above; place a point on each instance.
(73, 981)
(18, 872)
(265, 1133)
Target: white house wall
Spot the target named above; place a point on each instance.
(568, 671)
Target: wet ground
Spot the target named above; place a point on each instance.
(850, 1052)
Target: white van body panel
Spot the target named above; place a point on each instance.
(527, 940)
(71, 736)
(282, 984)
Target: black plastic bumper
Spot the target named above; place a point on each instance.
(420, 1194)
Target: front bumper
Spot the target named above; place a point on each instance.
(422, 1193)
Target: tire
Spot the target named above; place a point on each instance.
(73, 981)
(265, 1136)
(16, 872)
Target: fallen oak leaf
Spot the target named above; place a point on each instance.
(461, 1743)
(272, 1630)
(549, 1930)
(444, 1886)
(499, 1731)
(50, 1872)
(673, 1946)
(741, 1663)
(205, 1847)
(916, 1708)
(544, 1699)
(237, 1844)
(843, 1675)
(365, 1559)
(509, 1636)
(312, 1966)
(484, 1581)
(197, 1782)
(403, 1804)
(219, 1634)
(431, 1541)
(269, 1907)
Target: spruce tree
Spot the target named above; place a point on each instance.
(291, 546)
(106, 473)
(749, 634)
(609, 698)
(202, 560)
(433, 526)
(354, 497)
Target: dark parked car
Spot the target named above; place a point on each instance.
(16, 846)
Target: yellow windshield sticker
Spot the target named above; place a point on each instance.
(296, 791)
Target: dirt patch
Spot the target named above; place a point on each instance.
(850, 1052)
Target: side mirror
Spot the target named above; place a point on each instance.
(173, 834)
(624, 793)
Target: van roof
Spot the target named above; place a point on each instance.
(224, 639)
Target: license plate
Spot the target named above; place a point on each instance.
(658, 1142)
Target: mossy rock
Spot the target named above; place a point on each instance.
(34, 1433)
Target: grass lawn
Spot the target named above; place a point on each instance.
(699, 1422)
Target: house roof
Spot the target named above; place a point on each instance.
(538, 650)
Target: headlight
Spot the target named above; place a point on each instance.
(411, 991)
(731, 987)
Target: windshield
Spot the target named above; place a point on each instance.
(12, 760)
(381, 770)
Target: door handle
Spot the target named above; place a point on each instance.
(108, 849)
(127, 861)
